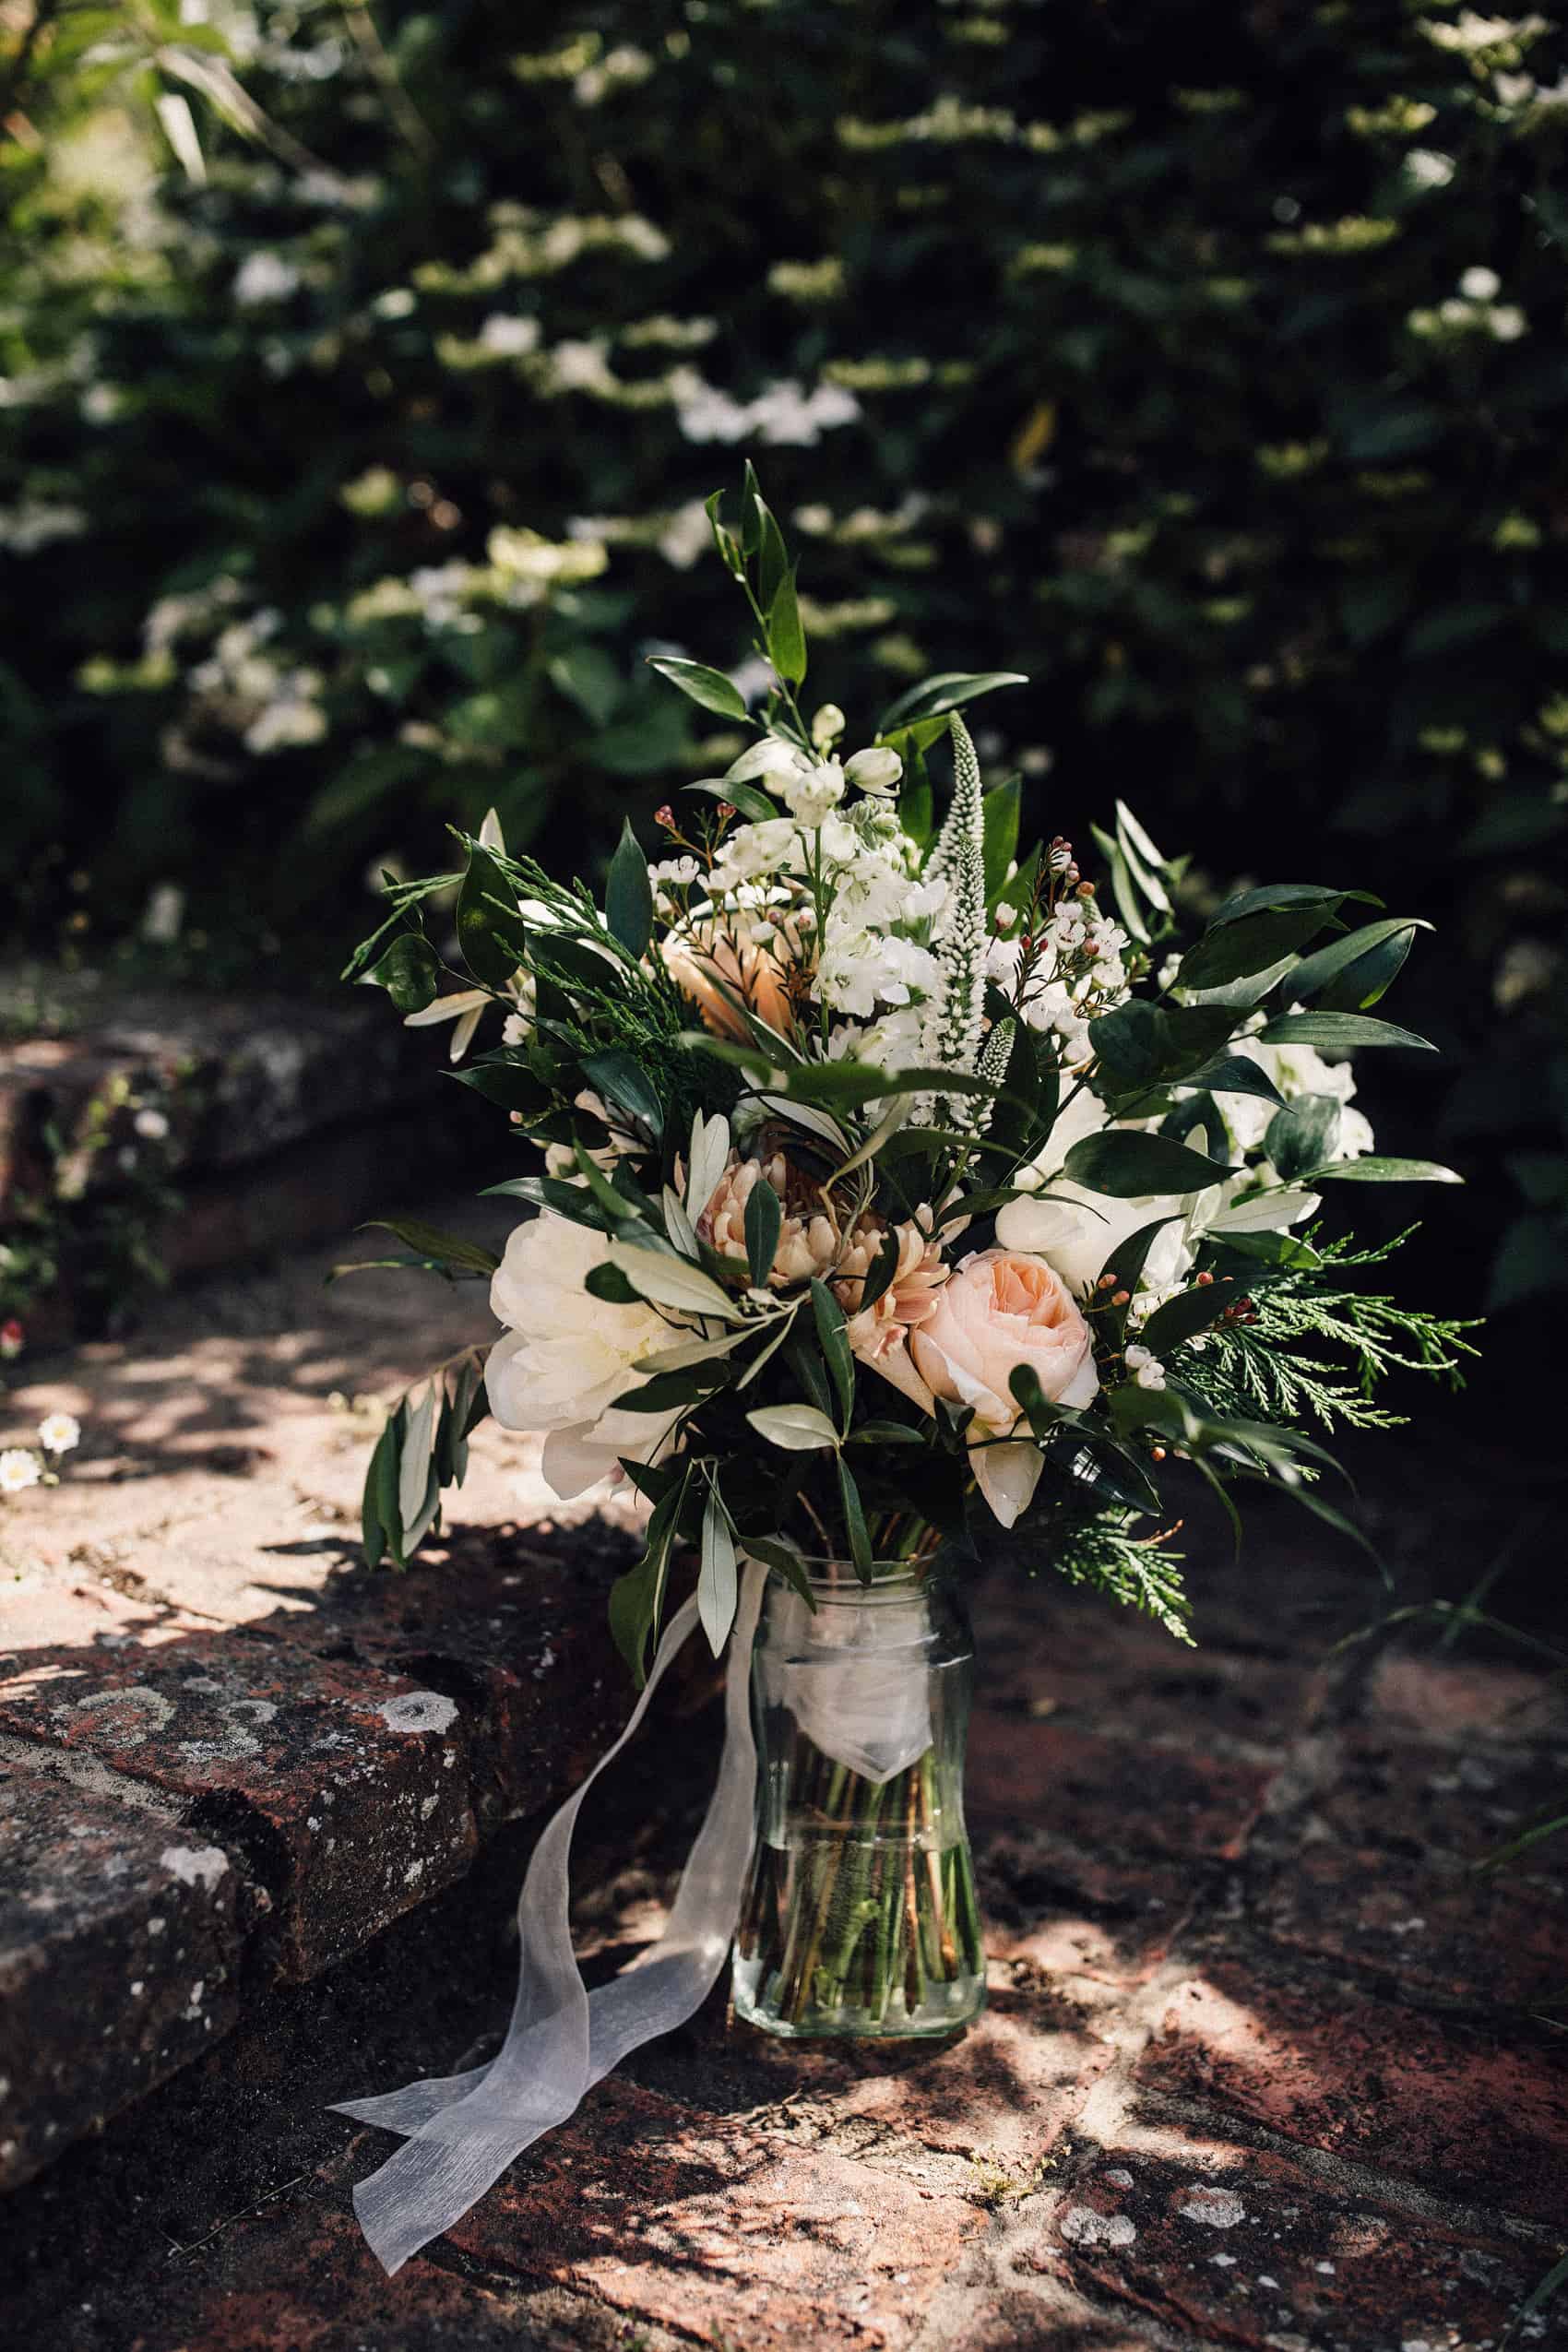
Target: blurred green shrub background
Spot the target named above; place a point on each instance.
(363, 368)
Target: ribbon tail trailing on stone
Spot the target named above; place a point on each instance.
(461, 2132)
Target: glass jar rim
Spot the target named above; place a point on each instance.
(836, 1580)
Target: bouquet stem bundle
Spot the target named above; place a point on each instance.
(865, 1918)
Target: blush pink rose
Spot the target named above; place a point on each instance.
(997, 1311)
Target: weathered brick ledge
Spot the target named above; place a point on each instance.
(227, 1754)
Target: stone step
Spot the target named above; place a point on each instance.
(193, 1133)
(231, 1754)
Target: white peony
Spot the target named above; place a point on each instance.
(566, 1356)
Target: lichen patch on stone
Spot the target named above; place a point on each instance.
(195, 1865)
(418, 1711)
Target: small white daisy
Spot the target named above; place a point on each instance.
(18, 1469)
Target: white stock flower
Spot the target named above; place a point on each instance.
(566, 1356)
(809, 793)
(875, 771)
(58, 1432)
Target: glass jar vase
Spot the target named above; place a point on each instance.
(859, 1915)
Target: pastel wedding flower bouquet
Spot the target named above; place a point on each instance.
(892, 1189)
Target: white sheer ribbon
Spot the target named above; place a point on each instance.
(461, 2132)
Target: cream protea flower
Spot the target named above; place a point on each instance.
(879, 1334)
(810, 1239)
(720, 966)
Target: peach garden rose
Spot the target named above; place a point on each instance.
(997, 1311)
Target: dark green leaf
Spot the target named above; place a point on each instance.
(772, 557)
(576, 959)
(1269, 1249)
(619, 1079)
(999, 816)
(1141, 1045)
(1233, 951)
(1234, 1074)
(785, 1559)
(709, 687)
(431, 1242)
(884, 1267)
(670, 1392)
(1302, 1135)
(490, 929)
(725, 541)
(384, 1469)
(948, 690)
(628, 897)
(381, 1477)
(1189, 1313)
(786, 638)
(1331, 963)
(1128, 1166)
(1375, 1167)
(751, 505)
(854, 1520)
(637, 1598)
(834, 1345)
(750, 802)
(717, 1588)
(408, 971)
(1339, 1032)
(1273, 895)
(765, 1219)
(885, 1433)
(608, 1282)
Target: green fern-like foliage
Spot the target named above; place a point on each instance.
(1104, 1551)
(1274, 1368)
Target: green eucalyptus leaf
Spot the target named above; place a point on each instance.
(948, 690)
(765, 1221)
(1252, 942)
(718, 1584)
(1376, 945)
(620, 1080)
(1128, 1165)
(999, 818)
(785, 1559)
(855, 1521)
(628, 897)
(1141, 1045)
(1302, 1133)
(1234, 1074)
(409, 971)
(1182, 1317)
(432, 1242)
(1339, 1032)
(1377, 1168)
(710, 688)
(743, 797)
(830, 1331)
(490, 933)
(786, 638)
